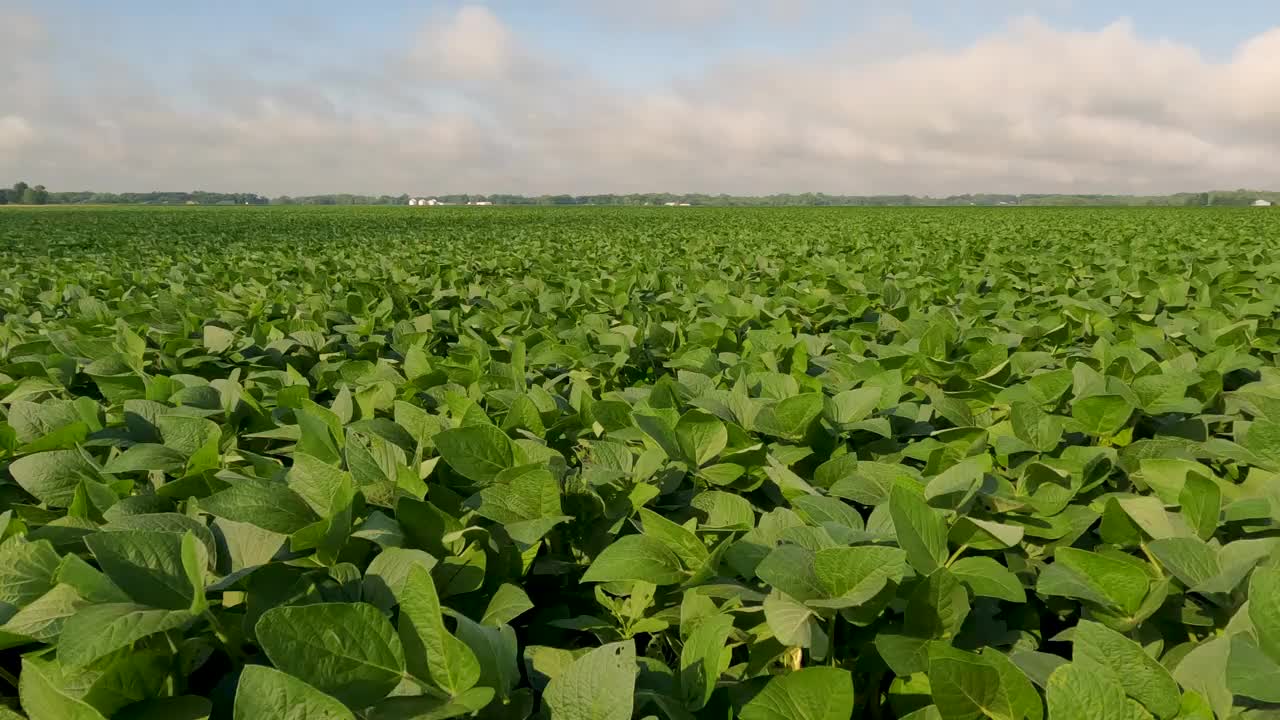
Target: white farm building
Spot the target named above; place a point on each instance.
(1262, 203)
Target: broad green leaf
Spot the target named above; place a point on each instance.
(850, 406)
(981, 534)
(268, 504)
(904, 654)
(724, 511)
(956, 486)
(126, 680)
(149, 566)
(968, 686)
(790, 569)
(937, 607)
(1101, 650)
(814, 693)
(1204, 670)
(42, 619)
(1263, 440)
(679, 539)
(1096, 578)
(1189, 559)
(508, 603)
(28, 570)
(1251, 672)
(387, 573)
(639, 558)
(1023, 697)
(1201, 501)
(921, 531)
(53, 476)
(217, 339)
(478, 452)
(145, 457)
(700, 659)
(43, 700)
(1149, 514)
(1076, 693)
(597, 686)
(701, 437)
(819, 509)
(99, 630)
(857, 574)
(790, 418)
(347, 650)
(318, 483)
(794, 624)
(265, 692)
(988, 578)
(662, 432)
(496, 651)
(430, 651)
(1102, 414)
(1035, 427)
(964, 686)
(1264, 609)
(432, 708)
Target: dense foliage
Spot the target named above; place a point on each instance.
(579, 464)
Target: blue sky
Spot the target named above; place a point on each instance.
(633, 44)
(600, 95)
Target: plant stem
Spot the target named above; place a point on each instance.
(9, 678)
(1151, 558)
(956, 555)
(831, 638)
(171, 682)
(230, 648)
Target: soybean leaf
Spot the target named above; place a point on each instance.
(988, 578)
(1075, 693)
(266, 692)
(1201, 501)
(477, 452)
(431, 653)
(99, 630)
(700, 659)
(43, 700)
(1101, 650)
(636, 557)
(347, 650)
(814, 693)
(597, 686)
(701, 437)
(921, 531)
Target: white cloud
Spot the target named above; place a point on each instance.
(15, 132)
(473, 105)
(472, 43)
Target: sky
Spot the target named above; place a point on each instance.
(931, 97)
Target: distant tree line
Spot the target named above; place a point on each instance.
(342, 199)
(22, 193)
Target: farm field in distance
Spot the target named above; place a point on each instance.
(818, 463)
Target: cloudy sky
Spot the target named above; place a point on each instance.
(583, 96)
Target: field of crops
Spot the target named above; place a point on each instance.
(597, 464)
